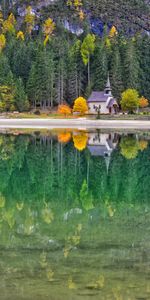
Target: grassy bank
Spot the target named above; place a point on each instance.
(59, 116)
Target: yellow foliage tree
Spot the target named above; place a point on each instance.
(129, 147)
(81, 15)
(80, 141)
(46, 40)
(47, 215)
(143, 144)
(80, 105)
(113, 32)
(29, 19)
(48, 29)
(75, 3)
(108, 43)
(9, 24)
(20, 35)
(2, 42)
(1, 19)
(7, 98)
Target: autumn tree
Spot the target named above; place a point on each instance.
(1, 20)
(48, 28)
(20, 35)
(129, 147)
(64, 109)
(86, 197)
(113, 32)
(29, 20)
(143, 144)
(87, 49)
(2, 42)
(80, 140)
(143, 102)
(9, 24)
(7, 98)
(80, 105)
(64, 137)
(77, 4)
(129, 100)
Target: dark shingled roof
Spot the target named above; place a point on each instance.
(100, 150)
(98, 97)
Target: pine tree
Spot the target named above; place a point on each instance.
(40, 85)
(75, 81)
(143, 47)
(131, 66)
(21, 58)
(4, 69)
(116, 73)
(61, 60)
(99, 66)
(21, 100)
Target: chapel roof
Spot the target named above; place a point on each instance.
(98, 97)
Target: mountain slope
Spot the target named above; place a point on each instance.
(129, 15)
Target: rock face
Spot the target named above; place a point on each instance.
(129, 15)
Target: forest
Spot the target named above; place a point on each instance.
(55, 52)
(40, 167)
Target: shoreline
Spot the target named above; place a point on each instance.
(80, 123)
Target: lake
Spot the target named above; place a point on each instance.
(74, 215)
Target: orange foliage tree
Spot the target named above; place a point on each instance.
(143, 144)
(64, 109)
(80, 141)
(143, 102)
(80, 105)
(64, 137)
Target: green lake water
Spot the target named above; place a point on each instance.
(74, 215)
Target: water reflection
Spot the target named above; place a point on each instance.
(74, 215)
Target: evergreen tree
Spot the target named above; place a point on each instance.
(21, 101)
(143, 47)
(21, 59)
(4, 69)
(40, 84)
(75, 81)
(61, 60)
(131, 67)
(99, 66)
(116, 73)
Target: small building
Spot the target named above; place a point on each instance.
(102, 145)
(103, 101)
